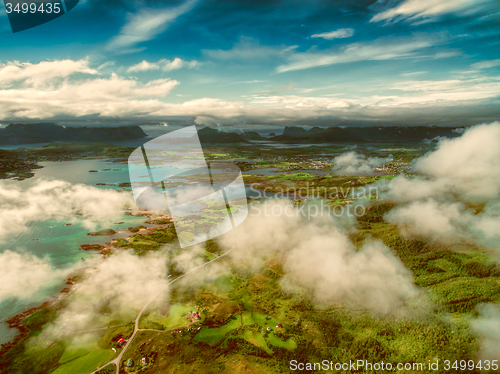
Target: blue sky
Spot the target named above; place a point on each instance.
(402, 62)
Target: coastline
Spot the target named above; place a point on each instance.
(17, 321)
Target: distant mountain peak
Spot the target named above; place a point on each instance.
(30, 133)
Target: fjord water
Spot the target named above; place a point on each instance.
(54, 241)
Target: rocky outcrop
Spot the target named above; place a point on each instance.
(102, 232)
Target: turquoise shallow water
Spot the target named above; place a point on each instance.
(57, 243)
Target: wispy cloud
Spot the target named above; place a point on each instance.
(387, 48)
(419, 11)
(163, 64)
(337, 34)
(248, 49)
(486, 64)
(145, 25)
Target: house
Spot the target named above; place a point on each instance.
(197, 316)
(121, 341)
(129, 363)
(279, 325)
(144, 361)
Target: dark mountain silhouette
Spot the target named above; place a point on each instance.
(209, 135)
(251, 135)
(49, 132)
(315, 129)
(294, 131)
(366, 134)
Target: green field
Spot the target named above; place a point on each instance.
(86, 363)
(238, 303)
(214, 335)
(176, 317)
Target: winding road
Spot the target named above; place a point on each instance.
(118, 359)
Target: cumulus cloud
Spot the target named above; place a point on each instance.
(402, 189)
(143, 66)
(113, 96)
(353, 163)
(457, 195)
(50, 96)
(430, 218)
(178, 63)
(419, 11)
(337, 34)
(57, 199)
(36, 74)
(23, 275)
(487, 326)
(319, 256)
(121, 285)
(145, 25)
(471, 162)
(163, 64)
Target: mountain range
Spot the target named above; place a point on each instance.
(48, 132)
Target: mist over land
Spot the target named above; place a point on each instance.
(367, 137)
(429, 229)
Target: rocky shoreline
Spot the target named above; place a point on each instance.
(16, 321)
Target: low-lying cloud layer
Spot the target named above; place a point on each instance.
(119, 286)
(56, 199)
(352, 163)
(487, 326)
(23, 275)
(457, 196)
(319, 256)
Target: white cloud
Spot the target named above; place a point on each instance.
(36, 74)
(77, 95)
(319, 256)
(144, 66)
(145, 25)
(457, 178)
(114, 96)
(178, 63)
(443, 221)
(248, 49)
(163, 64)
(56, 199)
(487, 326)
(441, 92)
(24, 274)
(418, 11)
(471, 161)
(386, 48)
(337, 34)
(124, 283)
(352, 163)
(486, 64)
